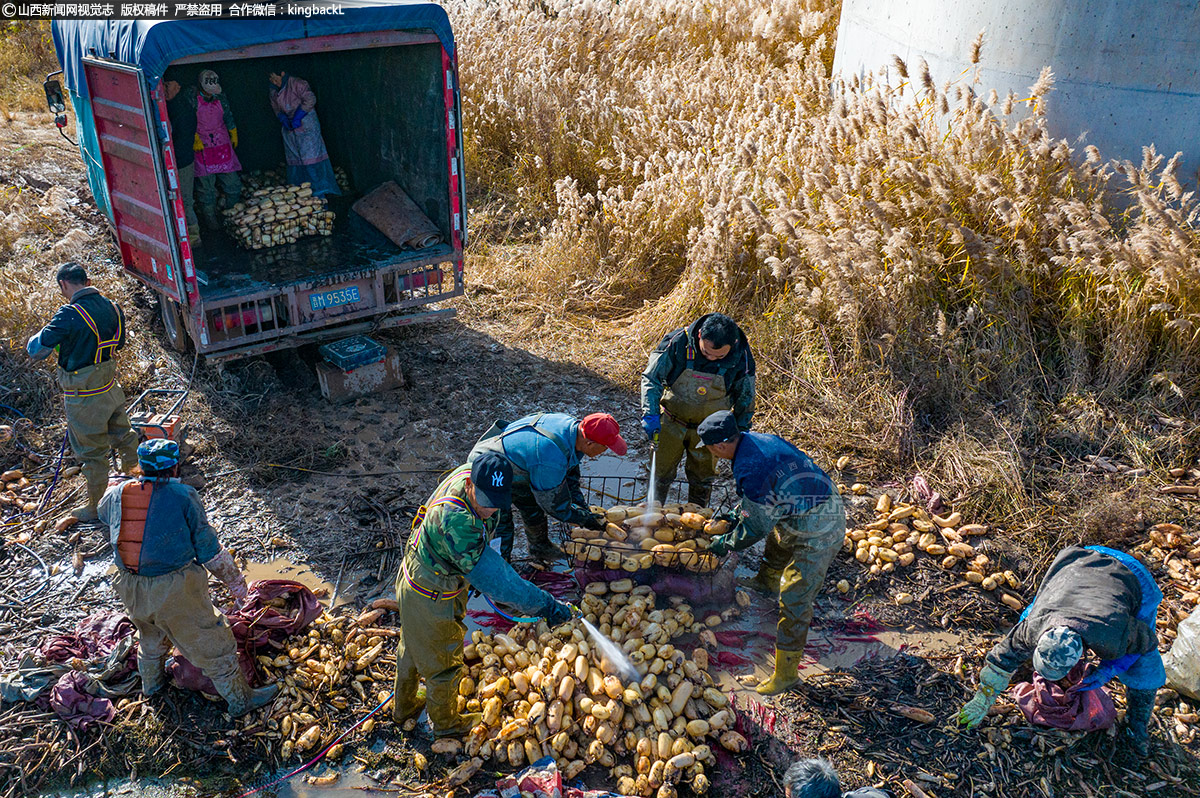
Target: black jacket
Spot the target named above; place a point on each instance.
(669, 360)
(70, 333)
(1091, 593)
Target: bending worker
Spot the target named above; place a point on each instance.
(86, 333)
(693, 373)
(785, 495)
(447, 554)
(1096, 598)
(164, 551)
(545, 450)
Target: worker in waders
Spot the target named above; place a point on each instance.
(447, 554)
(86, 333)
(693, 373)
(165, 550)
(784, 495)
(1093, 598)
(545, 451)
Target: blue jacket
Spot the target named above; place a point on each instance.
(176, 531)
(769, 470)
(71, 333)
(545, 451)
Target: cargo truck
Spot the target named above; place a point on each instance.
(385, 78)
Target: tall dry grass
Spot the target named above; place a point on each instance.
(906, 259)
(26, 57)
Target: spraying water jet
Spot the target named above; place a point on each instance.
(612, 652)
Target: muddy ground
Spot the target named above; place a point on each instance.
(325, 494)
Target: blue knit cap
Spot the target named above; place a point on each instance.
(158, 454)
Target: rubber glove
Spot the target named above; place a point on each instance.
(197, 144)
(721, 545)
(35, 349)
(992, 682)
(224, 569)
(652, 425)
(233, 137)
(558, 614)
(1107, 670)
(298, 117)
(284, 120)
(594, 522)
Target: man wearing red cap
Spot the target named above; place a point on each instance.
(545, 450)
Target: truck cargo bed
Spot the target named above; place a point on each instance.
(225, 269)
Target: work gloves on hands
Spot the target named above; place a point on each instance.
(652, 425)
(197, 144)
(721, 545)
(298, 117)
(233, 137)
(992, 682)
(560, 613)
(223, 568)
(590, 520)
(284, 120)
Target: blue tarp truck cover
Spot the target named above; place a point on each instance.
(153, 45)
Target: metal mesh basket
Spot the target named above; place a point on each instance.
(609, 560)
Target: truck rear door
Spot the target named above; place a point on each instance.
(134, 173)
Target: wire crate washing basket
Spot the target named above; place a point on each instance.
(669, 555)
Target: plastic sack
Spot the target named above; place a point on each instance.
(1182, 662)
(1066, 704)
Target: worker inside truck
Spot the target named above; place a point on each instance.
(363, 139)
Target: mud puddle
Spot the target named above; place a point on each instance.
(282, 568)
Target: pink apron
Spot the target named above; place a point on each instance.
(218, 155)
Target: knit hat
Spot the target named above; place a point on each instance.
(1057, 651)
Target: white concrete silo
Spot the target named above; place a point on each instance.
(1127, 72)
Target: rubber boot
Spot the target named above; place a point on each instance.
(401, 713)
(699, 493)
(540, 547)
(129, 461)
(209, 220)
(193, 234)
(151, 670)
(662, 487)
(766, 581)
(786, 676)
(1138, 709)
(442, 706)
(231, 685)
(97, 483)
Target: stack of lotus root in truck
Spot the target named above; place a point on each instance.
(278, 215)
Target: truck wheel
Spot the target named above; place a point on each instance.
(172, 321)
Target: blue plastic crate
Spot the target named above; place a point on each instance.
(351, 353)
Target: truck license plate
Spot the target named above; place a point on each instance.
(331, 299)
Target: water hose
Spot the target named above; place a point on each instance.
(503, 614)
(321, 755)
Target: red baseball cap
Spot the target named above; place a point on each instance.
(603, 428)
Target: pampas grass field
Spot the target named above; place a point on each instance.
(931, 283)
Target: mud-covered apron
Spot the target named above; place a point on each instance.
(695, 395)
(217, 155)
